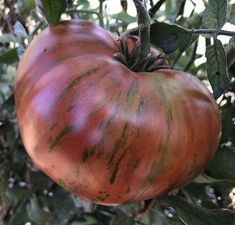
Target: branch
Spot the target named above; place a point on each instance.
(101, 13)
(192, 58)
(155, 8)
(151, 3)
(212, 32)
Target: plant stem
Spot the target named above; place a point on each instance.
(144, 23)
(155, 8)
(151, 3)
(212, 32)
(101, 13)
(192, 58)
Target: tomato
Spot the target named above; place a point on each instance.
(104, 132)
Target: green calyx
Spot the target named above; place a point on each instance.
(131, 60)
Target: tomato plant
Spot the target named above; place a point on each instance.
(103, 131)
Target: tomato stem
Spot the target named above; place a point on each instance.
(144, 23)
(101, 16)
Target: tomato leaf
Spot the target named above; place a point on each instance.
(122, 218)
(232, 42)
(232, 13)
(124, 17)
(10, 56)
(51, 9)
(208, 22)
(7, 38)
(227, 117)
(217, 68)
(218, 11)
(169, 37)
(25, 6)
(222, 166)
(195, 215)
(35, 213)
(20, 215)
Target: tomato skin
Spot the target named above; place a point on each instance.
(106, 133)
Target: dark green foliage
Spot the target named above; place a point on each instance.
(216, 68)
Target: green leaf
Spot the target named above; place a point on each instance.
(10, 56)
(121, 219)
(230, 56)
(51, 9)
(63, 207)
(218, 11)
(223, 166)
(124, 17)
(208, 22)
(192, 214)
(35, 213)
(232, 14)
(227, 117)
(25, 6)
(217, 68)
(169, 37)
(19, 216)
(16, 195)
(232, 42)
(7, 38)
(205, 179)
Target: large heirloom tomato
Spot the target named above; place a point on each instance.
(104, 132)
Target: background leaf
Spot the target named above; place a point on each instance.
(232, 14)
(192, 214)
(35, 213)
(217, 68)
(223, 166)
(51, 9)
(218, 11)
(10, 56)
(208, 22)
(7, 38)
(232, 42)
(169, 37)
